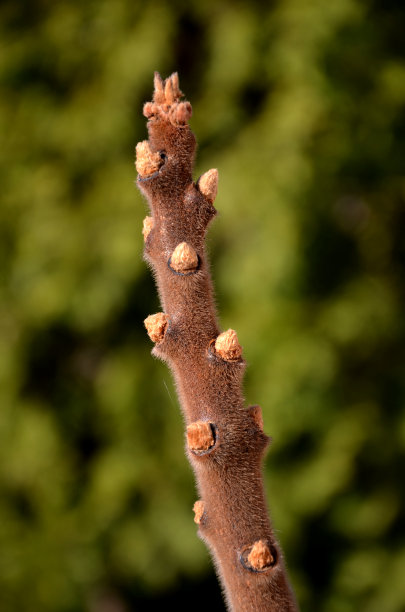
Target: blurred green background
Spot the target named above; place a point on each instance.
(300, 105)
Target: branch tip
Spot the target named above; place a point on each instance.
(227, 346)
(156, 326)
(166, 103)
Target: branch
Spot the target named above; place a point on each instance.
(225, 441)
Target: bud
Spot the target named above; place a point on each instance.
(198, 509)
(175, 84)
(184, 258)
(148, 224)
(260, 556)
(158, 94)
(146, 162)
(208, 184)
(227, 346)
(180, 113)
(200, 436)
(156, 325)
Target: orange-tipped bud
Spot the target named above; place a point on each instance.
(227, 346)
(156, 325)
(200, 436)
(208, 184)
(146, 162)
(184, 258)
(148, 224)
(198, 511)
(260, 556)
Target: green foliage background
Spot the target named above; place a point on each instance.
(300, 105)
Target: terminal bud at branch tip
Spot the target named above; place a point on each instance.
(156, 325)
(167, 91)
(184, 258)
(147, 227)
(198, 509)
(208, 184)
(227, 346)
(260, 556)
(200, 436)
(146, 162)
(166, 103)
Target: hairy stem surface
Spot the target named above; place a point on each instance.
(225, 440)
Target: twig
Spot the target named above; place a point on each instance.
(225, 441)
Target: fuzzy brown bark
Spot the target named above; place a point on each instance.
(225, 441)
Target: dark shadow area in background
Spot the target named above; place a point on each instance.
(198, 595)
